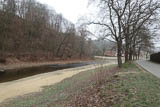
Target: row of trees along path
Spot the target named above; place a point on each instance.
(128, 22)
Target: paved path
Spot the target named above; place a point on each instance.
(154, 68)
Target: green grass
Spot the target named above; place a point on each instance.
(129, 65)
(137, 88)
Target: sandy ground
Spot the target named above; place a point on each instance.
(36, 83)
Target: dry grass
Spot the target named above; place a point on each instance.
(95, 95)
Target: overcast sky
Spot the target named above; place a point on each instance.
(70, 9)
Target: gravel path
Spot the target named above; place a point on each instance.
(37, 82)
(153, 68)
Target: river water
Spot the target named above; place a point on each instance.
(15, 74)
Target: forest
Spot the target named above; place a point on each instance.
(30, 31)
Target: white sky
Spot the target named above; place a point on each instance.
(70, 9)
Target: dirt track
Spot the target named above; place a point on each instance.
(36, 83)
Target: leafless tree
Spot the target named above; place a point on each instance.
(113, 12)
(139, 13)
(123, 19)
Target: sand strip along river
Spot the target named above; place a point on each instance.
(36, 83)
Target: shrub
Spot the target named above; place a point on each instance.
(155, 57)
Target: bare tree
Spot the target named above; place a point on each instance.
(123, 19)
(113, 14)
(138, 13)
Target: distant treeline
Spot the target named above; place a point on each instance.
(30, 30)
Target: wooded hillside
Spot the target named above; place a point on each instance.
(30, 31)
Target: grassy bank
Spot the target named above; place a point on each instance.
(113, 87)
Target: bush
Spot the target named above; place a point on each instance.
(155, 57)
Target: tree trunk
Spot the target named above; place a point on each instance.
(119, 54)
(130, 55)
(127, 49)
(59, 47)
(127, 44)
(139, 52)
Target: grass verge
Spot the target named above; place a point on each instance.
(104, 87)
(127, 87)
